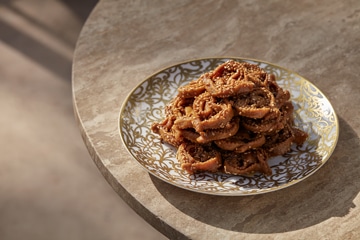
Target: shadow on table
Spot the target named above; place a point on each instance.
(328, 193)
(16, 37)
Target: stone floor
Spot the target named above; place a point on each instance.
(49, 185)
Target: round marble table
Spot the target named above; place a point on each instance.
(123, 42)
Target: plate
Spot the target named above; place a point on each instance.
(145, 105)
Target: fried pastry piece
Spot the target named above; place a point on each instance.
(299, 136)
(246, 163)
(185, 120)
(198, 158)
(208, 114)
(228, 79)
(255, 104)
(181, 109)
(166, 131)
(192, 89)
(241, 142)
(274, 121)
(261, 78)
(271, 122)
(230, 129)
(178, 106)
(189, 134)
(281, 96)
(279, 143)
(287, 110)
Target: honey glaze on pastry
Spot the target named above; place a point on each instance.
(231, 119)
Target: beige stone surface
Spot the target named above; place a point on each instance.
(123, 42)
(50, 187)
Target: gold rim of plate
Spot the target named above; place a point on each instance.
(145, 105)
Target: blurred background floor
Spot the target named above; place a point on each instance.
(49, 186)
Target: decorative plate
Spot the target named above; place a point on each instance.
(145, 105)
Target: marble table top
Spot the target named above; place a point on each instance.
(123, 42)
